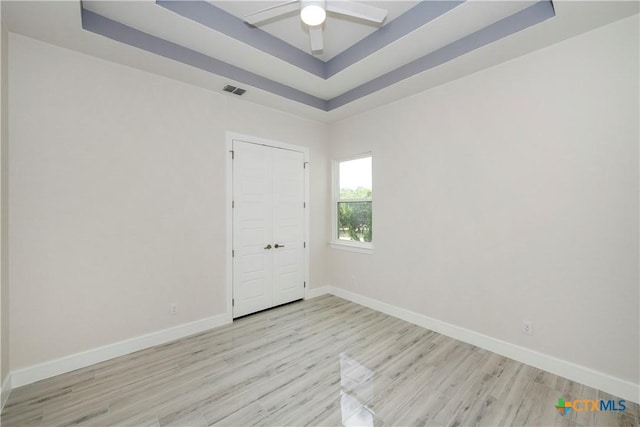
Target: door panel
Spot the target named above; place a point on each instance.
(288, 226)
(252, 229)
(268, 193)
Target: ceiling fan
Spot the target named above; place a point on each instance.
(314, 12)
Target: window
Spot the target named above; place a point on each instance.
(353, 201)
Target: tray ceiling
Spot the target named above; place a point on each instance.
(420, 45)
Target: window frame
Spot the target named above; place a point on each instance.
(335, 242)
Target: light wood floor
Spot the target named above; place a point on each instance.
(320, 362)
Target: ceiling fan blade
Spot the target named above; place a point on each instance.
(357, 10)
(315, 34)
(272, 12)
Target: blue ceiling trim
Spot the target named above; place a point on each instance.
(538, 12)
(99, 24)
(219, 20)
(414, 18)
(223, 22)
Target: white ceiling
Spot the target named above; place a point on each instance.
(60, 23)
(340, 32)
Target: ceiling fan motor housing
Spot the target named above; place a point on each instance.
(313, 12)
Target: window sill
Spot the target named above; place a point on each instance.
(363, 248)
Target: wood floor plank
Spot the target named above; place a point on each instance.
(133, 417)
(324, 361)
(216, 411)
(394, 403)
(251, 414)
(475, 400)
(31, 417)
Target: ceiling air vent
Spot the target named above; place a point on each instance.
(236, 90)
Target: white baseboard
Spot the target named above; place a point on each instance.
(6, 390)
(581, 374)
(72, 362)
(316, 292)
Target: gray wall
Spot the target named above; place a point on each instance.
(4, 198)
(512, 194)
(117, 187)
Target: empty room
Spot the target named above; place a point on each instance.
(320, 212)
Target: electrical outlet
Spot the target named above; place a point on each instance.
(173, 308)
(527, 327)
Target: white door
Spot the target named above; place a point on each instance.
(268, 227)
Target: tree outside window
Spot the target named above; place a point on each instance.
(354, 201)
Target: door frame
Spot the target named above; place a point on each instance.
(230, 137)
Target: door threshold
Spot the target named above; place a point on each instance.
(267, 309)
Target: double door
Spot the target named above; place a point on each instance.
(268, 227)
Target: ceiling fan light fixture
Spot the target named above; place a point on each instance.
(313, 14)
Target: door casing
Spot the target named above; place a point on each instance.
(230, 137)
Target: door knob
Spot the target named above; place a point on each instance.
(269, 246)
(278, 246)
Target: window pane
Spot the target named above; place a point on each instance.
(354, 221)
(355, 179)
